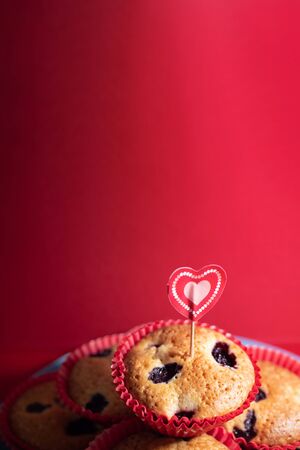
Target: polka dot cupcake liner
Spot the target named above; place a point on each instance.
(9, 437)
(283, 360)
(178, 427)
(117, 433)
(89, 348)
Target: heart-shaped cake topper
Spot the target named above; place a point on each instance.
(194, 292)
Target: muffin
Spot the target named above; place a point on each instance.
(274, 417)
(35, 419)
(157, 378)
(151, 441)
(132, 434)
(161, 374)
(85, 382)
(91, 386)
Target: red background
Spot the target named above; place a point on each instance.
(140, 136)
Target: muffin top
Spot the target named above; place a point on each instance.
(161, 374)
(152, 441)
(274, 417)
(38, 419)
(90, 384)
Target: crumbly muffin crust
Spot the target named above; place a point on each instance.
(151, 441)
(38, 419)
(274, 419)
(216, 381)
(90, 385)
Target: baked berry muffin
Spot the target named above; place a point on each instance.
(85, 383)
(36, 419)
(90, 384)
(161, 375)
(132, 434)
(152, 441)
(274, 417)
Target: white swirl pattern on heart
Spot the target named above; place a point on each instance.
(197, 277)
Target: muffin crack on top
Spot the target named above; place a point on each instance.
(161, 374)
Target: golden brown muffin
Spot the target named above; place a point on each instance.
(38, 419)
(151, 441)
(161, 374)
(274, 418)
(90, 385)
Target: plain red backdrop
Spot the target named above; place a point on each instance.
(140, 136)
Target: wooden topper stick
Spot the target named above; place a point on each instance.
(192, 344)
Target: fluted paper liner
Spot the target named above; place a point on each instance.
(182, 427)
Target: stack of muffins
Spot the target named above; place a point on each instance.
(143, 390)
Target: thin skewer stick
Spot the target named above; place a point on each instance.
(192, 339)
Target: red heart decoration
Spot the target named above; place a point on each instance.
(194, 292)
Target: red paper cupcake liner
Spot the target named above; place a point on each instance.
(94, 346)
(9, 437)
(281, 359)
(117, 433)
(221, 435)
(182, 427)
